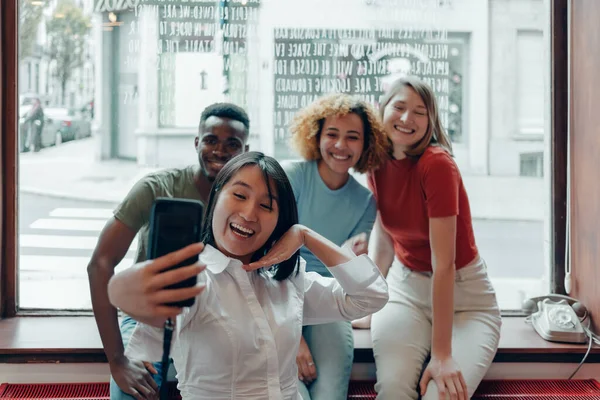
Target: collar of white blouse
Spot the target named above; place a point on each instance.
(217, 262)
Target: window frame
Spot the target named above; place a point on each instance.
(9, 155)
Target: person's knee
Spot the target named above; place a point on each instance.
(433, 392)
(116, 393)
(397, 383)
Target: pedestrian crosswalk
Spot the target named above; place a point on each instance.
(54, 252)
(100, 213)
(70, 224)
(34, 241)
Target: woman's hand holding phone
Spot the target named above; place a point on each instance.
(140, 290)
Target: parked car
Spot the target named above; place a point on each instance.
(71, 123)
(26, 132)
(60, 125)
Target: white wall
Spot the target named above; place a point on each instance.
(166, 147)
(508, 18)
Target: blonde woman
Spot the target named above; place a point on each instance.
(442, 304)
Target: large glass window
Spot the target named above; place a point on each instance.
(113, 89)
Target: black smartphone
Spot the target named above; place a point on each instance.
(175, 224)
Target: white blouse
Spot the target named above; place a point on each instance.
(240, 338)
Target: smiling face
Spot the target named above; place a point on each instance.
(245, 214)
(219, 140)
(405, 119)
(341, 142)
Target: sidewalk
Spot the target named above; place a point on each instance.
(71, 171)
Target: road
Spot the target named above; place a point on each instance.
(56, 240)
(57, 237)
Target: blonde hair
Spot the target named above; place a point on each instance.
(436, 134)
(307, 124)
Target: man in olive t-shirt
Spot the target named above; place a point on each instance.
(134, 210)
(222, 135)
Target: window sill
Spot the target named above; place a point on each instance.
(50, 340)
(76, 339)
(518, 343)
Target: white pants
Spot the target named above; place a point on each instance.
(401, 331)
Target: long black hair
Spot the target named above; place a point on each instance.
(288, 211)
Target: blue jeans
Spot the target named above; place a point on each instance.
(127, 326)
(332, 350)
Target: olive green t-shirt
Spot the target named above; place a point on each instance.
(134, 210)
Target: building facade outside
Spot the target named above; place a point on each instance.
(151, 66)
(487, 60)
(37, 71)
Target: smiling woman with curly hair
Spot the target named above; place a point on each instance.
(333, 134)
(307, 126)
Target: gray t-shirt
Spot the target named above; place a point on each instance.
(134, 210)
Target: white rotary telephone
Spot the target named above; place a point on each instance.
(557, 318)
